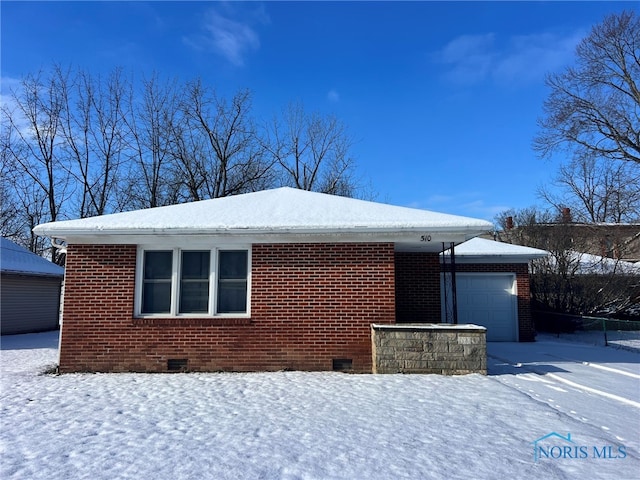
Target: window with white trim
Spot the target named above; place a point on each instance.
(198, 282)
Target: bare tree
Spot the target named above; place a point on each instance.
(568, 280)
(149, 123)
(93, 129)
(77, 145)
(597, 190)
(593, 107)
(312, 151)
(23, 203)
(33, 143)
(33, 207)
(12, 223)
(216, 149)
(554, 277)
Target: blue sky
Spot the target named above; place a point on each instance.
(441, 97)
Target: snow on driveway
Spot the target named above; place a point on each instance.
(321, 425)
(595, 385)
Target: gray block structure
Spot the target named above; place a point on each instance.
(438, 348)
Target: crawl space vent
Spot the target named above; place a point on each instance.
(342, 364)
(177, 364)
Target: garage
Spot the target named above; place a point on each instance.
(30, 294)
(489, 300)
(492, 286)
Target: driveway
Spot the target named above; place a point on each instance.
(577, 380)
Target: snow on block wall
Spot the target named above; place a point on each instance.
(429, 348)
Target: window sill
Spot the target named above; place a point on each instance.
(192, 322)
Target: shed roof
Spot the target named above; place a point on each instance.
(278, 211)
(16, 259)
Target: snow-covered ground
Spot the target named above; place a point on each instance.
(293, 425)
(628, 340)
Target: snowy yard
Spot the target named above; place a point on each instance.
(616, 338)
(290, 425)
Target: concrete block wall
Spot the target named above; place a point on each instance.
(422, 348)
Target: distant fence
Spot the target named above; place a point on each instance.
(594, 330)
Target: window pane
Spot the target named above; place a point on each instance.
(194, 282)
(156, 297)
(232, 281)
(194, 297)
(232, 296)
(232, 265)
(158, 265)
(156, 288)
(195, 265)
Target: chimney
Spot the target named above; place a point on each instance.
(509, 223)
(566, 215)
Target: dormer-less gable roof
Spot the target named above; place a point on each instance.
(278, 211)
(19, 260)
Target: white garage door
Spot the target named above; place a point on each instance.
(489, 300)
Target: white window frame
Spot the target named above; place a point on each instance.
(175, 281)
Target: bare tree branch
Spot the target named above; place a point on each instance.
(593, 108)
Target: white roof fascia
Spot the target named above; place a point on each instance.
(421, 240)
(54, 231)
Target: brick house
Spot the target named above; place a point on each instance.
(271, 280)
(618, 241)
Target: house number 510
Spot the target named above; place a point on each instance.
(425, 238)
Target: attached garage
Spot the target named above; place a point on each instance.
(489, 300)
(492, 286)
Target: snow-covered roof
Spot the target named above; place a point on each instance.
(478, 250)
(278, 211)
(16, 259)
(586, 263)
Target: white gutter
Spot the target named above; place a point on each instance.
(51, 230)
(58, 246)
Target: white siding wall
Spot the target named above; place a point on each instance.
(28, 303)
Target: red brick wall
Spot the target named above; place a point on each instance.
(417, 287)
(310, 304)
(525, 322)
